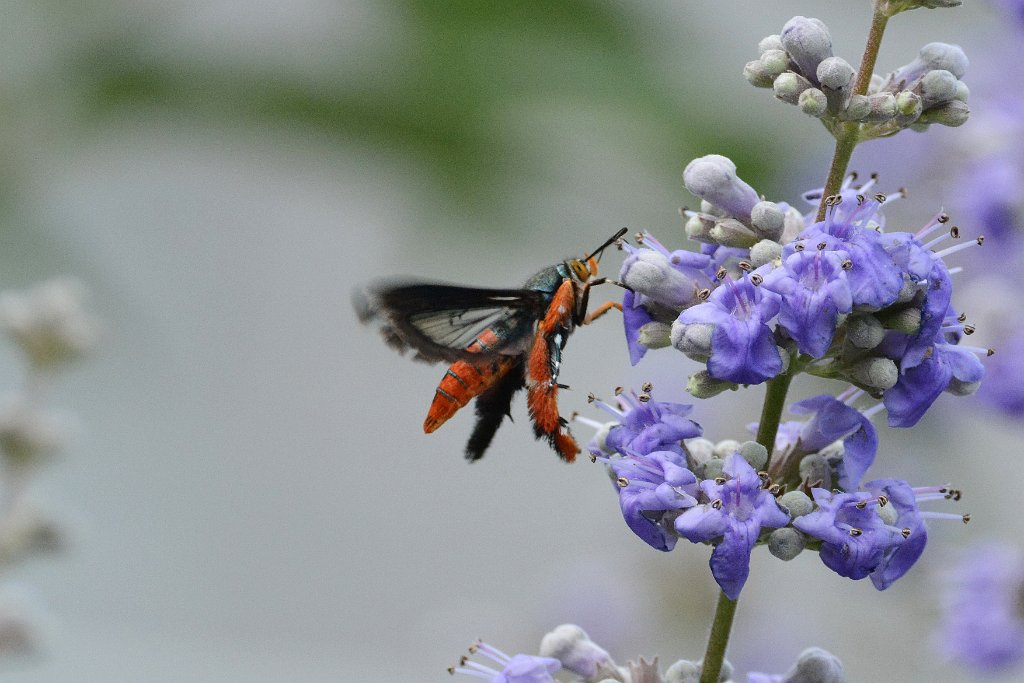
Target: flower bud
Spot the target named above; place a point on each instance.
(908, 104)
(571, 645)
(655, 335)
(702, 385)
(814, 469)
(808, 42)
(797, 502)
(945, 56)
(700, 450)
(758, 75)
(713, 178)
(694, 339)
(879, 373)
(960, 388)
(883, 106)
(650, 273)
(786, 543)
(764, 252)
(775, 62)
(789, 85)
(713, 468)
(962, 91)
(768, 220)
(754, 453)
(864, 331)
(683, 671)
(906, 320)
(813, 102)
(726, 447)
(836, 77)
(48, 322)
(937, 86)
(816, 666)
(858, 108)
(729, 232)
(772, 42)
(950, 114)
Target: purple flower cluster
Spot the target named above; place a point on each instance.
(772, 291)
(983, 616)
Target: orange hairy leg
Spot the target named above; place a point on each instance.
(542, 394)
(601, 310)
(464, 381)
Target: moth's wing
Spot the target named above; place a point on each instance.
(491, 408)
(439, 321)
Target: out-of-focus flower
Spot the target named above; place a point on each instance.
(983, 609)
(814, 665)
(49, 322)
(514, 669)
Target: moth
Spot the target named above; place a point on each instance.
(497, 342)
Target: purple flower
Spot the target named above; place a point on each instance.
(854, 536)
(634, 316)
(645, 426)
(670, 279)
(874, 280)
(516, 669)
(833, 420)
(983, 624)
(878, 532)
(649, 486)
(736, 512)
(814, 291)
(743, 348)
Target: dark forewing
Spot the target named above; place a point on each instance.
(491, 408)
(440, 321)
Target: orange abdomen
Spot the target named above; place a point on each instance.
(464, 381)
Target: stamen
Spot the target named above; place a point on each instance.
(646, 387)
(976, 242)
(717, 503)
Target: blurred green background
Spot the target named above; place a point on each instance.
(251, 493)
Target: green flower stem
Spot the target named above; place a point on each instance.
(771, 411)
(711, 669)
(848, 134)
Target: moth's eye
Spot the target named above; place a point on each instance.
(579, 268)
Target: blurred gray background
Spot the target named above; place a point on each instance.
(251, 495)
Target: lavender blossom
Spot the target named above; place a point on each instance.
(983, 623)
(514, 669)
(737, 510)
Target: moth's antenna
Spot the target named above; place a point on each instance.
(610, 241)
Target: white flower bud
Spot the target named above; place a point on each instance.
(789, 85)
(683, 671)
(702, 385)
(571, 645)
(758, 75)
(729, 232)
(813, 102)
(858, 108)
(786, 543)
(713, 468)
(48, 322)
(700, 449)
(694, 340)
(754, 453)
(797, 502)
(765, 251)
(950, 114)
(909, 104)
(864, 331)
(775, 62)
(713, 178)
(772, 42)
(655, 335)
(880, 373)
(937, 86)
(768, 220)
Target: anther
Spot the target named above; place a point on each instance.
(720, 480)
(756, 279)
(622, 482)
(883, 501)
(593, 458)
(905, 532)
(646, 387)
(822, 246)
(954, 232)
(764, 475)
(775, 490)
(619, 390)
(591, 398)
(639, 237)
(852, 175)
(861, 199)
(472, 650)
(874, 175)
(861, 504)
(704, 294)
(847, 264)
(902, 192)
(644, 398)
(929, 352)
(799, 246)
(961, 318)
(854, 531)
(969, 329)
(989, 352)
(880, 198)
(721, 273)
(745, 266)
(980, 239)
(967, 518)
(717, 503)
(942, 218)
